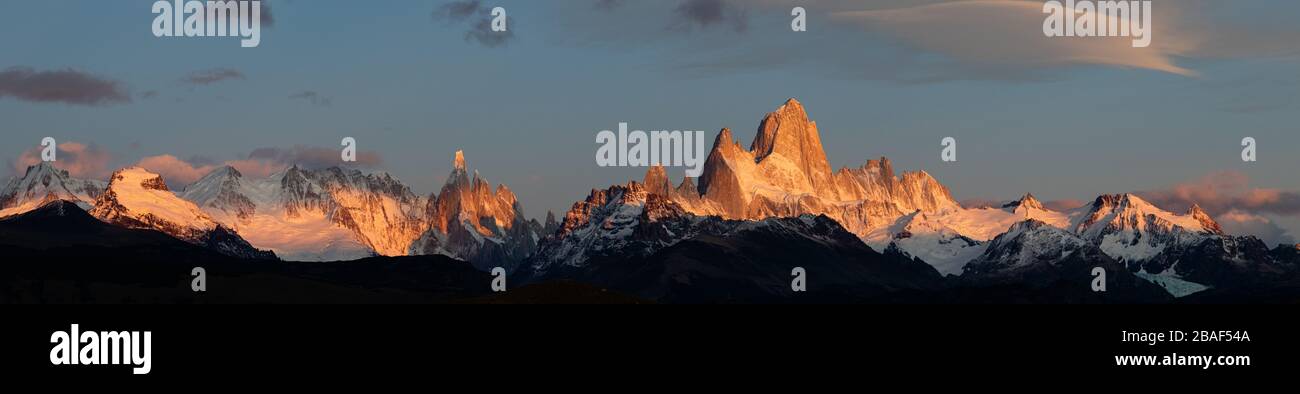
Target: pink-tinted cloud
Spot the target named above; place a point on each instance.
(255, 168)
(1222, 192)
(260, 163)
(1238, 207)
(78, 159)
(176, 172)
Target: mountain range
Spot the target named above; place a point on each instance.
(734, 234)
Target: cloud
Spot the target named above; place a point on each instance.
(709, 13)
(1226, 191)
(80, 160)
(923, 41)
(60, 86)
(1238, 207)
(312, 157)
(268, 18)
(478, 20)
(313, 97)
(260, 163)
(176, 172)
(607, 5)
(1000, 34)
(1063, 204)
(1238, 222)
(208, 77)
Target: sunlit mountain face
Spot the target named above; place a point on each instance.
(759, 211)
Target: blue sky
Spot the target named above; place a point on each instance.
(881, 78)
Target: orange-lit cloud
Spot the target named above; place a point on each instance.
(78, 159)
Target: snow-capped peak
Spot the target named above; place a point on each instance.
(140, 198)
(1123, 211)
(1026, 202)
(1204, 218)
(43, 183)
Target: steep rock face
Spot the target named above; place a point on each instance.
(379, 210)
(42, 184)
(786, 174)
(136, 198)
(788, 135)
(471, 221)
(724, 170)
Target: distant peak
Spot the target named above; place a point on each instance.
(1029, 201)
(142, 177)
(43, 167)
(1196, 210)
(656, 180)
(460, 160)
(227, 171)
(1126, 199)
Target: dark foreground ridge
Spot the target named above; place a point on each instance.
(61, 254)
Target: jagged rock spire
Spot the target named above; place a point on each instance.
(459, 164)
(788, 132)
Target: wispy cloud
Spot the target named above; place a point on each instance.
(208, 77)
(1008, 34)
(477, 19)
(709, 13)
(314, 98)
(923, 41)
(259, 163)
(60, 86)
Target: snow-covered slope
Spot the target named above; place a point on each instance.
(1028, 243)
(43, 183)
(255, 208)
(343, 214)
(951, 237)
(136, 198)
(1130, 229)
